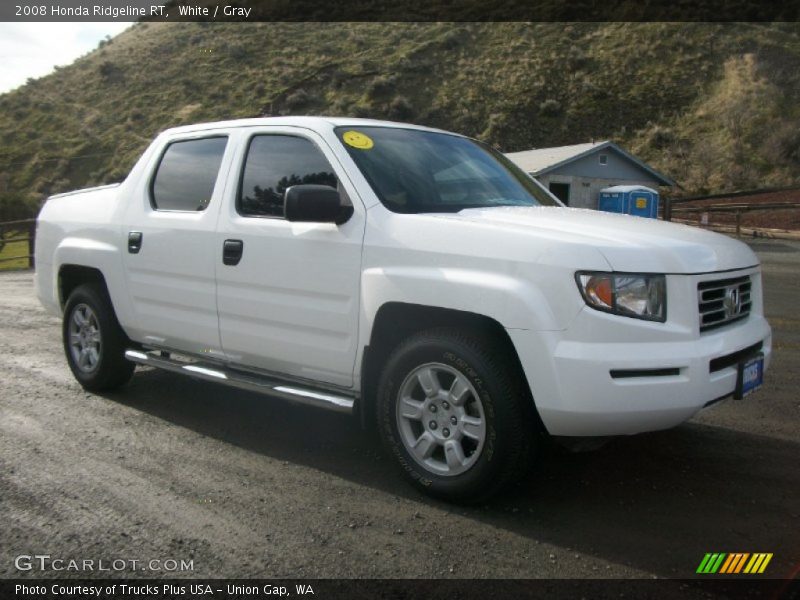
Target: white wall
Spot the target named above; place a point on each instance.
(584, 191)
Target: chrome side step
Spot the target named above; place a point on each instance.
(245, 381)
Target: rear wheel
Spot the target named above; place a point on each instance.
(94, 342)
(455, 415)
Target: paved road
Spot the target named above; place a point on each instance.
(171, 468)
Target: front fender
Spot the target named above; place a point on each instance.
(514, 303)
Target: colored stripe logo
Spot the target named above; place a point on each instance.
(734, 563)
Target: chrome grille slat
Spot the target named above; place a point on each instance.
(711, 297)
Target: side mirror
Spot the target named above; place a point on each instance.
(315, 204)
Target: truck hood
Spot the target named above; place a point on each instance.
(628, 243)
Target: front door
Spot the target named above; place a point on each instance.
(288, 293)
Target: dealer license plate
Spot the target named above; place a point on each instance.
(751, 376)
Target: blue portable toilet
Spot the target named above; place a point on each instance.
(636, 200)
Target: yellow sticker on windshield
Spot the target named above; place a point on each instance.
(358, 140)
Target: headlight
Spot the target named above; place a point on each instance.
(626, 294)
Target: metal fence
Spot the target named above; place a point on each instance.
(704, 213)
(19, 231)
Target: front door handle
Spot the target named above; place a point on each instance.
(134, 242)
(232, 252)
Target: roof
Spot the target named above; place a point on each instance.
(310, 122)
(543, 160)
(628, 188)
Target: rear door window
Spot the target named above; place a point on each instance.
(187, 173)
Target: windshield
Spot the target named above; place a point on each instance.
(414, 171)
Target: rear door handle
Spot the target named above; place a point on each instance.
(232, 252)
(134, 242)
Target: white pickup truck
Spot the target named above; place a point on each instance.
(412, 276)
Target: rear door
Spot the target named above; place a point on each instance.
(289, 304)
(169, 232)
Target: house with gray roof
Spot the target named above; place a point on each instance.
(576, 174)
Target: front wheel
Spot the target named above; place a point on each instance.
(94, 342)
(454, 413)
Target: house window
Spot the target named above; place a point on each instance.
(604, 159)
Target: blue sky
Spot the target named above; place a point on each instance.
(34, 49)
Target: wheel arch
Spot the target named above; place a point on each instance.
(71, 276)
(395, 321)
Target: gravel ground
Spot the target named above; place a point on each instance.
(172, 468)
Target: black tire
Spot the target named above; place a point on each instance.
(510, 425)
(110, 369)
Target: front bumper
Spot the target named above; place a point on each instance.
(576, 395)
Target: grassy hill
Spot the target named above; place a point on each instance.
(715, 106)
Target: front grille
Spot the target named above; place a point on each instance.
(723, 301)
